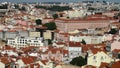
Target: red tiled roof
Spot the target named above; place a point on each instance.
(27, 49)
(94, 51)
(115, 23)
(116, 65)
(28, 60)
(19, 29)
(94, 48)
(1, 30)
(65, 52)
(116, 50)
(7, 47)
(103, 65)
(59, 43)
(55, 50)
(65, 34)
(89, 18)
(11, 30)
(74, 44)
(4, 60)
(57, 31)
(44, 61)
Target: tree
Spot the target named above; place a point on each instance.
(50, 26)
(22, 8)
(5, 6)
(97, 1)
(55, 16)
(91, 8)
(79, 61)
(86, 56)
(68, 17)
(104, 2)
(54, 8)
(49, 41)
(113, 31)
(38, 22)
(16, 6)
(83, 41)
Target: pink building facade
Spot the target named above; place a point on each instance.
(71, 25)
(92, 21)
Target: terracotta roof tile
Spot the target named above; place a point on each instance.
(94, 48)
(27, 60)
(103, 65)
(57, 31)
(89, 18)
(5, 60)
(59, 43)
(7, 47)
(1, 30)
(116, 65)
(44, 61)
(116, 50)
(74, 44)
(55, 50)
(65, 34)
(11, 30)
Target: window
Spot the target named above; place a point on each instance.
(41, 66)
(29, 40)
(94, 57)
(102, 58)
(36, 41)
(95, 61)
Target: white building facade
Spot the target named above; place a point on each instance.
(98, 58)
(76, 13)
(87, 39)
(74, 51)
(25, 41)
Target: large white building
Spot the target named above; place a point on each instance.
(25, 41)
(88, 39)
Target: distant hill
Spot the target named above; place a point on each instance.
(18, 1)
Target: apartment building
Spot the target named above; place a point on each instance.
(88, 39)
(25, 41)
(92, 21)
